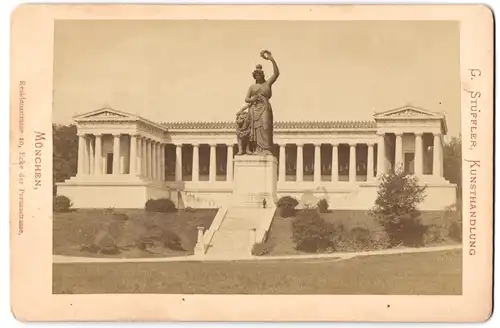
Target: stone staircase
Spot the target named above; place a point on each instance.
(239, 230)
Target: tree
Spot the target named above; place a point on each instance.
(65, 152)
(452, 164)
(396, 208)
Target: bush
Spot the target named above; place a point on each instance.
(434, 234)
(159, 237)
(311, 233)
(396, 209)
(62, 204)
(162, 205)
(261, 249)
(455, 231)
(322, 205)
(286, 205)
(358, 239)
(104, 243)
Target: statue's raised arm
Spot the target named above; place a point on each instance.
(266, 54)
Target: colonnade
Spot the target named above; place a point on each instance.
(146, 157)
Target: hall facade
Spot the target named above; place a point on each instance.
(124, 160)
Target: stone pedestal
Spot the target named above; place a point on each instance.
(255, 179)
(199, 248)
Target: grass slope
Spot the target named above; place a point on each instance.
(280, 232)
(73, 229)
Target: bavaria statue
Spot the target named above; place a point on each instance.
(254, 122)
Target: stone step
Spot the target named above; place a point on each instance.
(231, 239)
(238, 223)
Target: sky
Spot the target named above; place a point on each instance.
(201, 70)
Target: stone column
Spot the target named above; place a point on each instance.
(369, 164)
(352, 163)
(335, 162)
(144, 159)
(229, 164)
(154, 160)
(437, 158)
(116, 154)
(398, 157)
(81, 154)
(282, 163)
(86, 156)
(98, 155)
(418, 154)
(178, 162)
(381, 155)
(133, 155)
(213, 164)
(317, 163)
(300, 163)
(91, 157)
(138, 160)
(162, 162)
(158, 161)
(149, 172)
(196, 162)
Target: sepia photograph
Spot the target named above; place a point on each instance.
(228, 163)
(262, 157)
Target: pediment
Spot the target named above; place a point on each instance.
(408, 112)
(103, 113)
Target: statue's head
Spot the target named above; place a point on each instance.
(258, 74)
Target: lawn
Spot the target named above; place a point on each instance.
(280, 233)
(74, 229)
(436, 273)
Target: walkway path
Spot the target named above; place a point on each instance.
(193, 258)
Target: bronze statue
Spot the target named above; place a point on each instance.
(258, 122)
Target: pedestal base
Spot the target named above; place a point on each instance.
(255, 179)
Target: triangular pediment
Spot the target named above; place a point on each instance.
(103, 113)
(408, 112)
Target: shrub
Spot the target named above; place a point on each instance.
(358, 239)
(157, 236)
(434, 234)
(322, 205)
(286, 205)
(455, 230)
(453, 215)
(311, 233)
(162, 205)
(396, 209)
(62, 204)
(104, 243)
(261, 249)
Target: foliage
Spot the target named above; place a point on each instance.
(261, 249)
(452, 164)
(453, 215)
(396, 208)
(104, 243)
(322, 205)
(311, 233)
(61, 204)
(158, 237)
(434, 234)
(358, 239)
(286, 205)
(161, 205)
(65, 152)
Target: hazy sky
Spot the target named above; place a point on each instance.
(201, 70)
